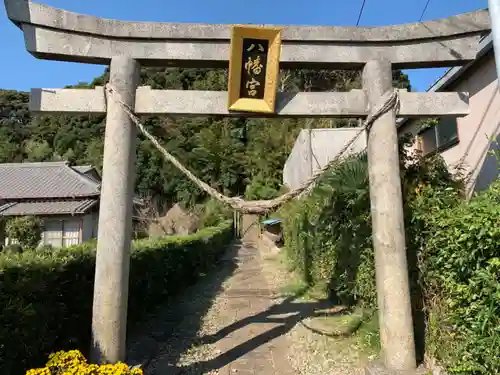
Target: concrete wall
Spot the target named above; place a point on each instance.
(475, 129)
(250, 228)
(314, 148)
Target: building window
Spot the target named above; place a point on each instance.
(62, 233)
(71, 233)
(439, 137)
(53, 233)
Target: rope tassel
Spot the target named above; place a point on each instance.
(390, 101)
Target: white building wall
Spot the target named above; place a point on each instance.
(314, 148)
(298, 165)
(476, 130)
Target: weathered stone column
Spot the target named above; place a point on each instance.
(109, 319)
(393, 294)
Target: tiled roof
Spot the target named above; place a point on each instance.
(52, 207)
(88, 171)
(82, 168)
(44, 180)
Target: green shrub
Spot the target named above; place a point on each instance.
(27, 230)
(212, 213)
(46, 298)
(13, 249)
(460, 269)
(262, 187)
(452, 246)
(328, 235)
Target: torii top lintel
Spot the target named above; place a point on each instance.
(56, 34)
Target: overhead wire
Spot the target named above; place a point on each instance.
(423, 12)
(361, 12)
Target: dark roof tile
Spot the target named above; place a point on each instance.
(51, 207)
(44, 180)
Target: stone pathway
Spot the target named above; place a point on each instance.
(241, 331)
(234, 322)
(253, 343)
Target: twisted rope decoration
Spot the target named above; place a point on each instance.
(390, 101)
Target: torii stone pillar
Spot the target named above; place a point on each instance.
(393, 294)
(109, 318)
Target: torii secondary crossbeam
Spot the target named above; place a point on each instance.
(214, 103)
(56, 34)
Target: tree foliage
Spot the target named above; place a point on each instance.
(27, 230)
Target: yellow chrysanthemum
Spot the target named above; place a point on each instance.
(74, 363)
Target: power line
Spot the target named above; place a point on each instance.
(363, 7)
(423, 12)
(361, 12)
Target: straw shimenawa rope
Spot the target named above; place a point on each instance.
(390, 101)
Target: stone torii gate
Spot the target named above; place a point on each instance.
(56, 34)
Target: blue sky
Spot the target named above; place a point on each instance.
(19, 70)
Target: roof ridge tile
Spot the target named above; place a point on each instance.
(38, 164)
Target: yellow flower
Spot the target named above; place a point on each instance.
(74, 363)
(39, 371)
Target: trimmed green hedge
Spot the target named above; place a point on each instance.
(46, 298)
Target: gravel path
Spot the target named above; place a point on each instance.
(312, 353)
(234, 321)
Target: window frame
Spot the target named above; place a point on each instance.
(440, 147)
(70, 236)
(62, 238)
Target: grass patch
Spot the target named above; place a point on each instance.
(343, 323)
(368, 332)
(295, 288)
(298, 288)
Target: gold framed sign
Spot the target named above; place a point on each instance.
(254, 68)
